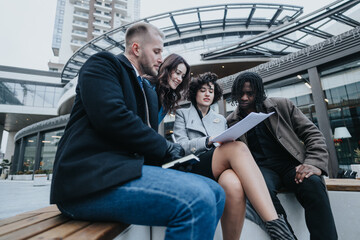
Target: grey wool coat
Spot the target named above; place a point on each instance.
(294, 131)
(191, 131)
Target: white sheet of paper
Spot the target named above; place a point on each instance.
(241, 127)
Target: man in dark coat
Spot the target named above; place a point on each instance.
(289, 150)
(107, 163)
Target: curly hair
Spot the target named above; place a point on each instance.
(199, 81)
(256, 84)
(169, 98)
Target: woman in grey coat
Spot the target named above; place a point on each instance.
(230, 164)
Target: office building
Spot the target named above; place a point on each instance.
(79, 21)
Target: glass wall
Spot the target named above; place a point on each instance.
(49, 144)
(39, 155)
(34, 95)
(341, 84)
(298, 90)
(29, 154)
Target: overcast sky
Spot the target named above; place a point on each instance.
(26, 26)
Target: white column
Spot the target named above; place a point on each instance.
(1, 133)
(10, 147)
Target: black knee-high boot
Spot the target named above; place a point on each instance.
(278, 229)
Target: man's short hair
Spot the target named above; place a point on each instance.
(140, 29)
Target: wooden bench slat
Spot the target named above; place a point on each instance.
(36, 228)
(52, 208)
(62, 230)
(26, 222)
(16, 218)
(340, 184)
(99, 231)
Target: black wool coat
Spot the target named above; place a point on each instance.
(107, 139)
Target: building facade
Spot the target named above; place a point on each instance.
(323, 81)
(332, 102)
(26, 97)
(305, 60)
(79, 21)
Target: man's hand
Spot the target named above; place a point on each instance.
(305, 171)
(174, 151)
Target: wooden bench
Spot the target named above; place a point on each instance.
(342, 184)
(49, 223)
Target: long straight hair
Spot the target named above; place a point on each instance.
(169, 98)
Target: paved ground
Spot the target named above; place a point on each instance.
(21, 196)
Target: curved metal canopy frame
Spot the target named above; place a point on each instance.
(313, 28)
(229, 22)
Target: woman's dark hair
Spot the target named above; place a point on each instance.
(199, 81)
(256, 84)
(169, 98)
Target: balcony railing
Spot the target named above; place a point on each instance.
(102, 25)
(79, 32)
(106, 7)
(77, 42)
(80, 23)
(102, 16)
(82, 6)
(81, 14)
(120, 7)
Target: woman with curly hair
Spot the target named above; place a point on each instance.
(230, 164)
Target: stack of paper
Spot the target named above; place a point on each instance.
(241, 127)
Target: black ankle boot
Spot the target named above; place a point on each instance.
(278, 229)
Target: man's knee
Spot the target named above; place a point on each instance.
(209, 193)
(313, 183)
(206, 203)
(312, 188)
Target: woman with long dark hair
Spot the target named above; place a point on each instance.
(173, 79)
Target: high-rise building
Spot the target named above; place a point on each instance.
(79, 21)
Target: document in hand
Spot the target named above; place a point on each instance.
(241, 127)
(189, 159)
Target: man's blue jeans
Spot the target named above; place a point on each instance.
(188, 204)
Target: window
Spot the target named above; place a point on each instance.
(341, 86)
(29, 154)
(49, 144)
